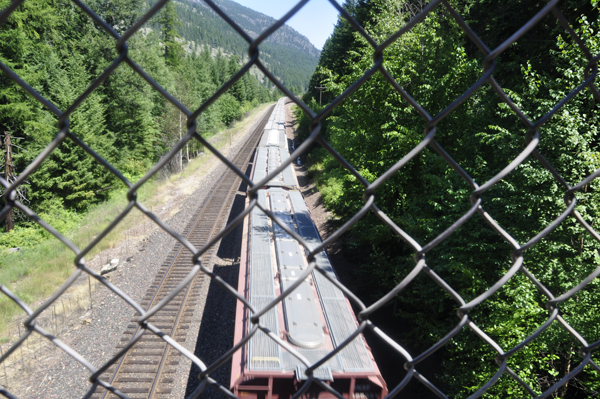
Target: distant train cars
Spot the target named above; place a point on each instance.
(314, 318)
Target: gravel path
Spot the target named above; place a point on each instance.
(60, 376)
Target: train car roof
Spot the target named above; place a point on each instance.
(273, 138)
(265, 354)
(276, 120)
(269, 159)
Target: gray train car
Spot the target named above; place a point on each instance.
(314, 319)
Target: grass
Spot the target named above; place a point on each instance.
(38, 271)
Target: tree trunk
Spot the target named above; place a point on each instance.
(567, 369)
(180, 151)
(10, 217)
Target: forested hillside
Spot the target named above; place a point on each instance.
(288, 54)
(59, 51)
(375, 127)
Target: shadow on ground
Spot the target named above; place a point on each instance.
(215, 336)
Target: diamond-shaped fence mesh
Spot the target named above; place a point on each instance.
(553, 301)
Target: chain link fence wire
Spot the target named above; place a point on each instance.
(586, 349)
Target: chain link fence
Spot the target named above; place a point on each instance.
(586, 349)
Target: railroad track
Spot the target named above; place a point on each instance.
(146, 370)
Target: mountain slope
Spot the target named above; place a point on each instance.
(288, 55)
(255, 23)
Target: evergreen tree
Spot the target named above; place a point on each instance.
(58, 50)
(238, 89)
(119, 14)
(336, 55)
(169, 23)
(249, 87)
(221, 69)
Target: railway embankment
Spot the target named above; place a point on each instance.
(94, 332)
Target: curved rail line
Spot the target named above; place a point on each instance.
(143, 371)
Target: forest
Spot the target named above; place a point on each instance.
(59, 51)
(435, 62)
(286, 53)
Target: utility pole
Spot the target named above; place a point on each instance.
(10, 217)
(320, 88)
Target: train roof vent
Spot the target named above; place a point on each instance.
(323, 373)
(273, 138)
(301, 315)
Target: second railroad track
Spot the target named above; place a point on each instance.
(146, 370)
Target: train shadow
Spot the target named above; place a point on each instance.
(215, 335)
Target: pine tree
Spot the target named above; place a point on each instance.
(169, 22)
(221, 71)
(238, 89)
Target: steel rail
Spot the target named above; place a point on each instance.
(230, 185)
(240, 160)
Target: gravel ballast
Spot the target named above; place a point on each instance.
(211, 331)
(56, 374)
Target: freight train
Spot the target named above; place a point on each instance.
(315, 317)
